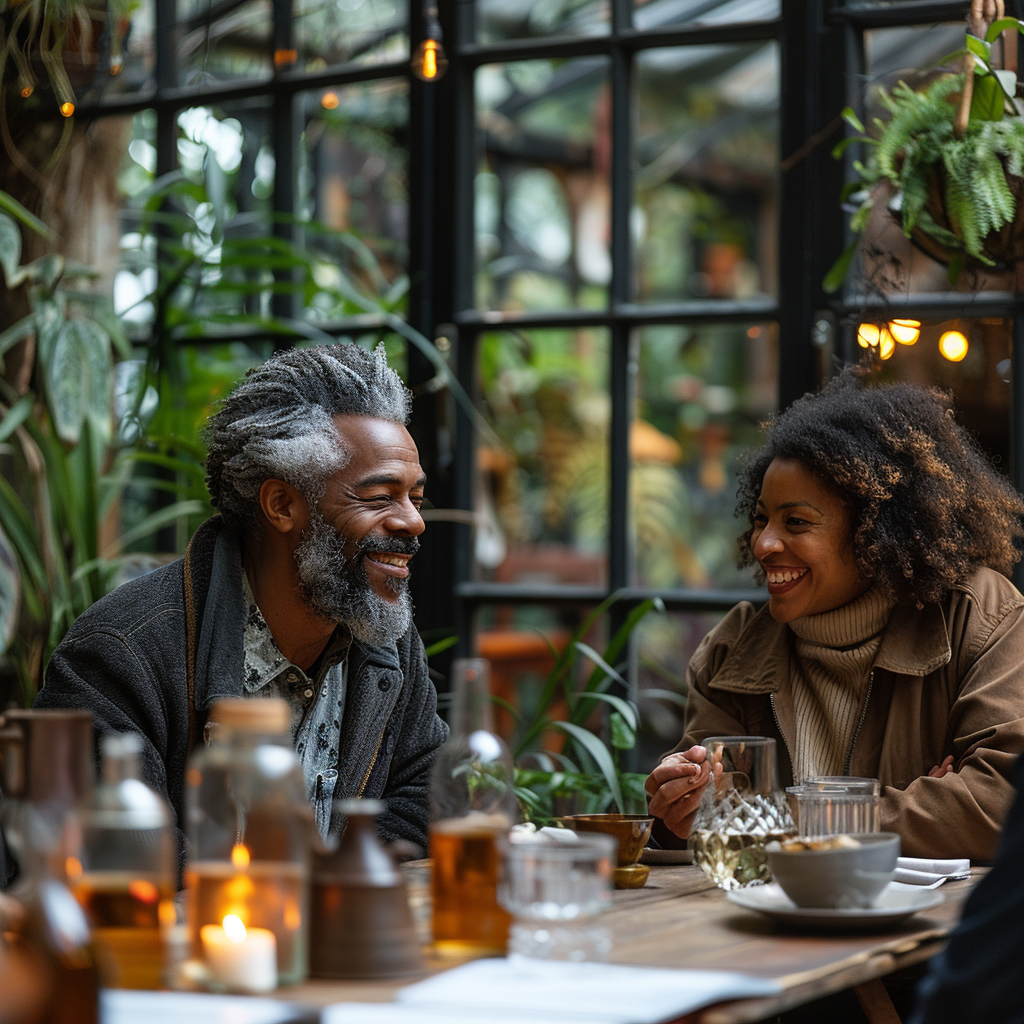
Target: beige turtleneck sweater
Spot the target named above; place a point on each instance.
(834, 652)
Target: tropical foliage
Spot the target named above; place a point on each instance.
(929, 148)
(586, 775)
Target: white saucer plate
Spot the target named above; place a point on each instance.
(892, 906)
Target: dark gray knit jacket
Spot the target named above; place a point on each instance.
(153, 655)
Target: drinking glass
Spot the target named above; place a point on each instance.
(555, 892)
(832, 805)
(742, 809)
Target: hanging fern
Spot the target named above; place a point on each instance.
(917, 152)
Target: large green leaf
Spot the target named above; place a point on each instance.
(10, 592)
(10, 251)
(13, 207)
(599, 752)
(65, 372)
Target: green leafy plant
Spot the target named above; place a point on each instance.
(952, 154)
(586, 776)
(64, 471)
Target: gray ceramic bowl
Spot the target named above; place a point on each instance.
(840, 878)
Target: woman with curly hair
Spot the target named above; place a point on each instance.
(892, 644)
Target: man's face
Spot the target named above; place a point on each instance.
(353, 559)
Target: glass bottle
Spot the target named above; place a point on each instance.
(472, 808)
(125, 878)
(249, 826)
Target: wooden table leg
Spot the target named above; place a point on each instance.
(875, 1002)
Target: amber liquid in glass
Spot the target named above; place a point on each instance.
(125, 911)
(464, 880)
(266, 894)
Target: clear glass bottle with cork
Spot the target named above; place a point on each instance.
(125, 876)
(249, 826)
(472, 808)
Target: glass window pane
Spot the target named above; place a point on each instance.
(648, 14)
(662, 646)
(130, 52)
(330, 32)
(971, 359)
(225, 151)
(354, 180)
(135, 279)
(706, 181)
(542, 204)
(702, 390)
(542, 468)
(224, 41)
(888, 261)
(500, 20)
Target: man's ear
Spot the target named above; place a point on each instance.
(284, 507)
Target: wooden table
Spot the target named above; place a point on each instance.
(680, 920)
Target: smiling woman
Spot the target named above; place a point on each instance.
(891, 646)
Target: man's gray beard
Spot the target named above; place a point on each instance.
(338, 589)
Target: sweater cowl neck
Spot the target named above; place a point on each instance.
(848, 626)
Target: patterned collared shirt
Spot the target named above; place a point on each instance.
(317, 702)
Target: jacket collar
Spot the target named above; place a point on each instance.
(915, 642)
(220, 603)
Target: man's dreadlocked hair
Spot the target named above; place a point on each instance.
(926, 504)
(278, 423)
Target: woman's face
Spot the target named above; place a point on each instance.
(803, 540)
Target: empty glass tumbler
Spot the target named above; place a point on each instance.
(555, 891)
(832, 805)
(742, 809)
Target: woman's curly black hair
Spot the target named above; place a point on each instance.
(926, 503)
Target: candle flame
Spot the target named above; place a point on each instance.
(234, 929)
(143, 890)
(240, 856)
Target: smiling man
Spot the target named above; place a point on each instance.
(297, 590)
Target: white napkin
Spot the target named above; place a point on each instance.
(930, 873)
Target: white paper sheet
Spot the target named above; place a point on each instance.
(572, 992)
(122, 1006)
(404, 1013)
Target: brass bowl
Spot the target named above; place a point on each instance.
(631, 830)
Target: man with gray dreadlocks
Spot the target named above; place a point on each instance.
(297, 589)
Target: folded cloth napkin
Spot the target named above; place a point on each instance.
(930, 873)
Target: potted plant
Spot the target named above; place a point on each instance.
(948, 162)
(585, 775)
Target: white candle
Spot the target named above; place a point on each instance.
(242, 959)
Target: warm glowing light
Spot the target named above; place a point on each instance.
(953, 345)
(429, 62)
(166, 913)
(886, 346)
(143, 891)
(329, 101)
(868, 335)
(240, 856)
(234, 929)
(67, 109)
(26, 91)
(284, 57)
(292, 916)
(73, 868)
(906, 332)
(116, 67)
(753, 332)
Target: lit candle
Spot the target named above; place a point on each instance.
(242, 959)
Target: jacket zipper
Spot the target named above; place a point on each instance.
(860, 723)
(782, 735)
(373, 761)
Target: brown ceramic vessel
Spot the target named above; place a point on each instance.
(632, 832)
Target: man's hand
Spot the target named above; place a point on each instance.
(675, 789)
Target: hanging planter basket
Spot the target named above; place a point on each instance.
(949, 162)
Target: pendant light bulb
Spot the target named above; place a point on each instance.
(430, 62)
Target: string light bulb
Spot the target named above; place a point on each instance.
(953, 345)
(906, 332)
(67, 108)
(430, 62)
(868, 335)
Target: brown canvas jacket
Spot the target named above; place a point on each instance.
(948, 679)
